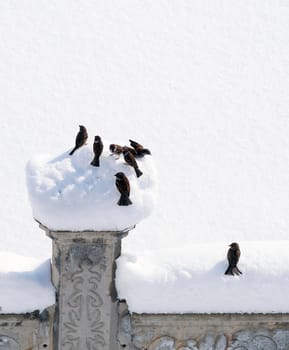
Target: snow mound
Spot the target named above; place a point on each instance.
(192, 280)
(67, 193)
(27, 288)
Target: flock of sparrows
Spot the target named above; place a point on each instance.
(129, 154)
(122, 184)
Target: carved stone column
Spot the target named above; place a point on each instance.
(83, 271)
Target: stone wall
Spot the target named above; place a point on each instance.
(83, 273)
(30, 331)
(88, 316)
(208, 332)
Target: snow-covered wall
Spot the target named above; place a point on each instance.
(25, 284)
(192, 280)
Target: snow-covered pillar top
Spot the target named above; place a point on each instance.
(67, 193)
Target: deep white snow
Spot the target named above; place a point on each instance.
(203, 84)
(191, 279)
(67, 193)
(25, 284)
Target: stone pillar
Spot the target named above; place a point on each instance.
(83, 272)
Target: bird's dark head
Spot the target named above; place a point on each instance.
(119, 175)
(112, 147)
(234, 246)
(96, 138)
(81, 127)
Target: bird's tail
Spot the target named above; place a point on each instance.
(133, 143)
(146, 151)
(74, 149)
(142, 153)
(138, 172)
(124, 200)
(95, 161)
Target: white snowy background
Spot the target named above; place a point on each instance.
(203, 84)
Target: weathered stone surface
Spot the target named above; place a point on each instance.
(8, 343)
(124, 325)
(210, 332)
(26, 331)
(83, 274)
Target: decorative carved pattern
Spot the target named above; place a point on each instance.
(82, 319)
(163, 343)
(262, 340)
(208, 342)
(245, 340)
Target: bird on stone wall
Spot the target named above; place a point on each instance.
(80, 139)
(233, 257)
(97, 149)
(140, 150)
(123, 187)
(130, 160)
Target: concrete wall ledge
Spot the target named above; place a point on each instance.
(28, 331)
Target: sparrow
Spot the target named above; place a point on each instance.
(130, 160)
(115, 149)
(97, 149)
(81, 139)
(123, 187)
(118, 150)
(233, 256)
(140, 150)
(131, 150)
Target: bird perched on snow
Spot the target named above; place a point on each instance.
(123, 187)
(118, 150)
(140, 150)
(130, 149)
(130, 160)
(81, 139)
(115, 149)
(233, 257)
(97, 149)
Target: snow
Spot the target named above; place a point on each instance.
(191, 279)
(67, 193)
(25, 284)
(202, 84)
